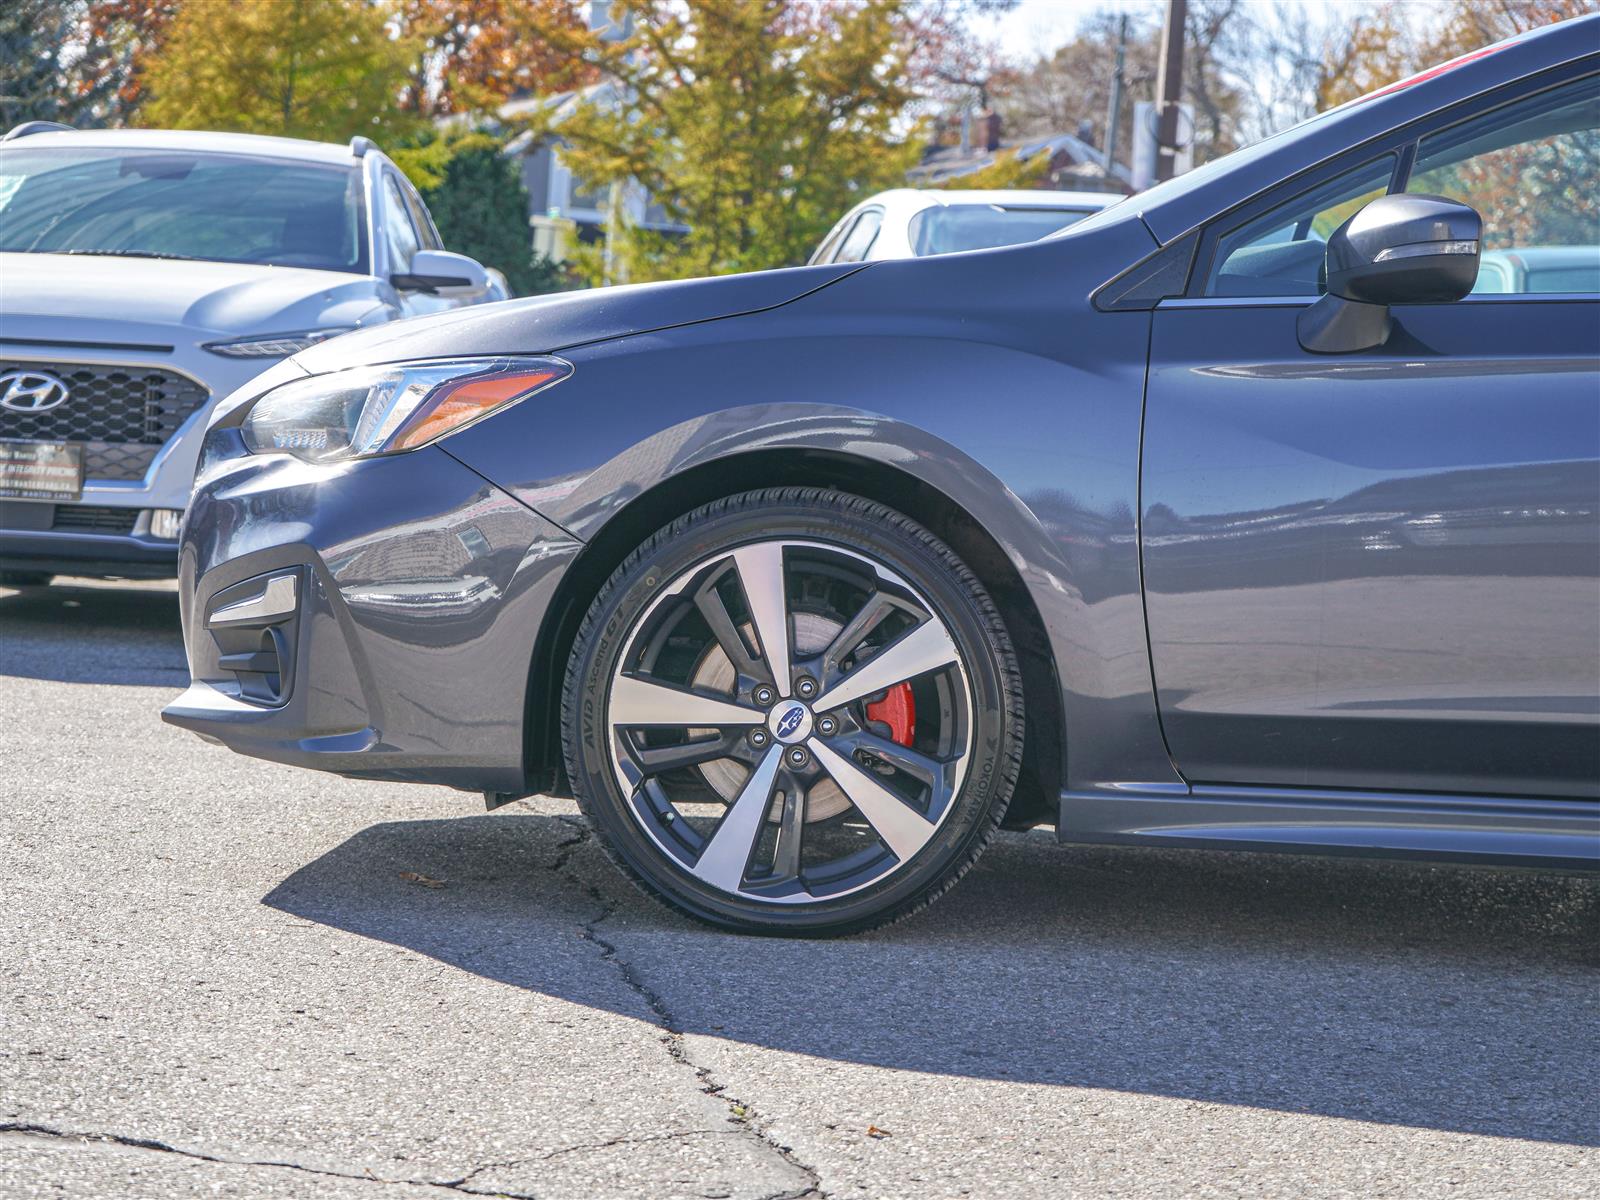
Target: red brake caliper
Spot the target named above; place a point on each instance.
(897, 710)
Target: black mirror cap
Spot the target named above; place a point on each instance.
(1406, 250)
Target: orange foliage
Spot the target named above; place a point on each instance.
(1386, 46)
(121, 37)
(476, 54)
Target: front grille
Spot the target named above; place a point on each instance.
(34, 517)
(123, 414)
(109, 460)
(94, 518)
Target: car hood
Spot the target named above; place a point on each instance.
(546, 324)
(209, 297)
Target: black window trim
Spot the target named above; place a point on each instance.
(1402, 143)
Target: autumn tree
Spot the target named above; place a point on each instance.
(755, 123)
(325, 69)
(119, 39)
(473, 55)
(1069, 90)
(1381, 45)
(32, 36)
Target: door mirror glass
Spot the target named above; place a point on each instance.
(1397, 250)
(443, 273)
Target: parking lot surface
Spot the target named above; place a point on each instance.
(225, 977)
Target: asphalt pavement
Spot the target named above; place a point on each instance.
(231, 978)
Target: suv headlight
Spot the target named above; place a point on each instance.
(365, 411)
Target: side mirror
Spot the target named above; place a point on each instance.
(443, 273)
(1396, 250)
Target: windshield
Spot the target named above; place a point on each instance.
(166, 204)
(955, 227)
(943, 231)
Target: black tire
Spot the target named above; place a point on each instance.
(22, 579)
(808, 518)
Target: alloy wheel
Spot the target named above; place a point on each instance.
(789, 720)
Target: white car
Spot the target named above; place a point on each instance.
(146, 274)
(916, 222)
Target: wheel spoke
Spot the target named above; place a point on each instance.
(903, 829)
(653, 760)
(877, 607)
(709, 601)
(761, 576)
(926, 648)
(722, 863)
(786, 854)
(638, 702)
(921, 767)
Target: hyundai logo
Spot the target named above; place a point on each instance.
(790, 721)
(31, 392)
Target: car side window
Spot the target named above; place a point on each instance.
(421, 219)
(1281, 252)
(1532, 170)
(861, 236)
(400, 237)
(830, 243)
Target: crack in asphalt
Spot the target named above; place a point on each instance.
(745, 1120)
(13, 1130)
(672, 1036)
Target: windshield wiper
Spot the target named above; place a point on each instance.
(130, 254)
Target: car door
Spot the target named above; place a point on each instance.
(1381, 570)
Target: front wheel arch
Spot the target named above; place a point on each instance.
(1042, 776)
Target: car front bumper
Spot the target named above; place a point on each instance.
(139, 412)
(375, 618)
(84, 539)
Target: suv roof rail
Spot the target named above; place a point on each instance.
(27, 127)
(360, 145)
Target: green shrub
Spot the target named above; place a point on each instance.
(476, 196)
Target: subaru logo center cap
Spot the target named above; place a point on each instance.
(31, 391)
(790, 722)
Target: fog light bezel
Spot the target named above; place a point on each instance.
(157, 518)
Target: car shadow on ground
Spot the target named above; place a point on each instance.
(1432, 997)
(93, 633)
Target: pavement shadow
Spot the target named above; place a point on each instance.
(93, 634)
(1437, 998)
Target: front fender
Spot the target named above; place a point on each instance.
(1041, 452)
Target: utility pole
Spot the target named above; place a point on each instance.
(1167, 110)
(1114, 113)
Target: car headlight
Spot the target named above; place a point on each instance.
(365, 411)
(275, 345)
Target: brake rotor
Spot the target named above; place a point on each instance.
(725, 776)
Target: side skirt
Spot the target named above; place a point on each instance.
(1560, 834)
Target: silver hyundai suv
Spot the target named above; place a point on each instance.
(145, 274)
